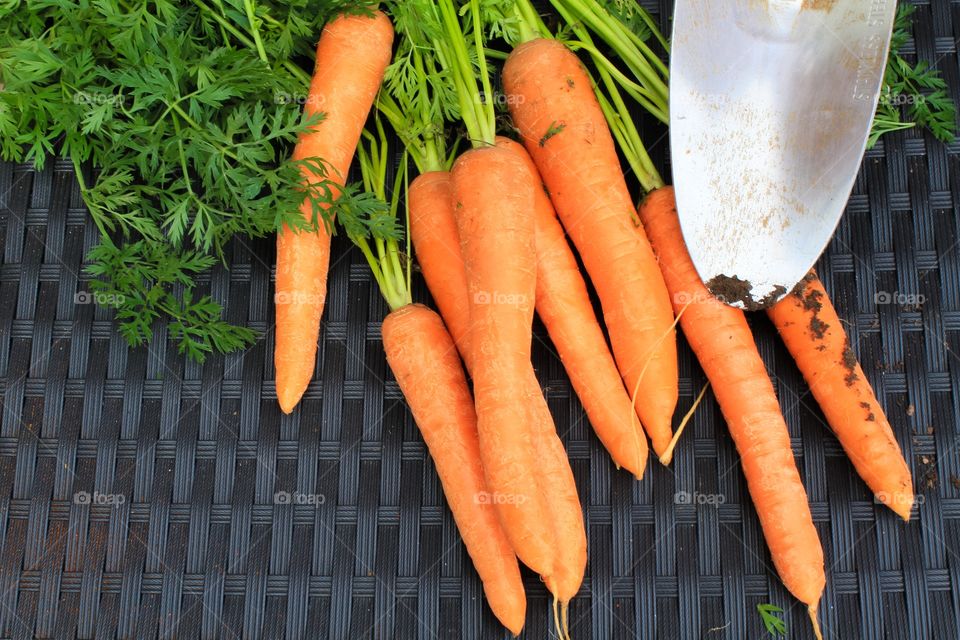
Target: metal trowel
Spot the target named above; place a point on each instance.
(771, 104)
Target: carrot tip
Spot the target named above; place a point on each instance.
(812, 612)
(287, 405)
(900, 502)
(657, 439)
(290, 392)
(902, 507)
(667, 457)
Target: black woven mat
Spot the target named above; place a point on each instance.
(141, 496)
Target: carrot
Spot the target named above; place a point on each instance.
(722, 341)
(424, 361)
(352, 56)
(494, 213)
(814, 335)
(433, 229)
(563, 128)
(719, 335)
(492, 199)
(565, 308)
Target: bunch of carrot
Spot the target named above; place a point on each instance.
(489, 228)
(491, 251)
(719, 335)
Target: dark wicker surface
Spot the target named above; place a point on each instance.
(200, 544)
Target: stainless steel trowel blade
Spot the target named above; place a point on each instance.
(771, 103)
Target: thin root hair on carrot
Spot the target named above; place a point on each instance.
(667, 456)
(646, 363)
(812, 612)
(556, 618)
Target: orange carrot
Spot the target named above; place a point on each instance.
(563, 128)
(352, 55)
(721, 339)
(812, 331)
(523, 459)
(433, 229)
(493, 206)
(565, 308)
(424, 361)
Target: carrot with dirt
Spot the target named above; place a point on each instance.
(814, 335)
(424, 361)
(723, 343)
(562, 125)
(352, 54)
(718, 334)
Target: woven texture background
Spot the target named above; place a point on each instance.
(199, 545)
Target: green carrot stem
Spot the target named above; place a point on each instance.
(632, 148)
(390, 269)
(642, 95)
(251, 12)
(406, 221)
(242, 38)
(486, 99)
(476, 103)
(643, 63)
(529, 22)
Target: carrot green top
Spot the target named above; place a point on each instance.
(375, 229)
(449, 37)
(418, 96)
(625, 27)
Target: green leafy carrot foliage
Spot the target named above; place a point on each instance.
(916, 91)
(179, 117)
